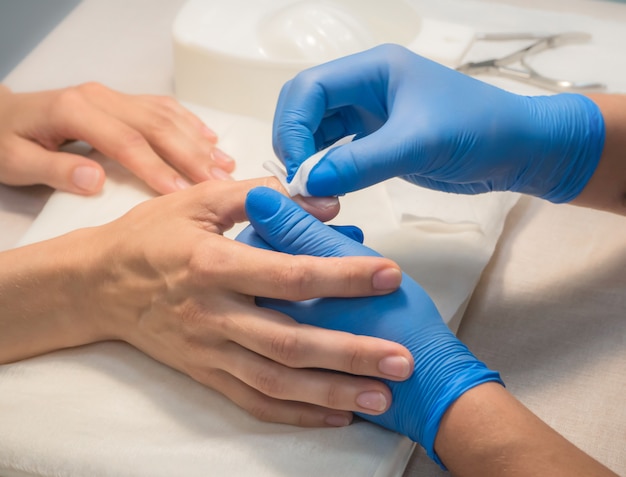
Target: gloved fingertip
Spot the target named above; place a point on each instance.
(262, 203)
(323, 180)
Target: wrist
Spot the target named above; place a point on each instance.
(564, 146)
(459, 374)
(606, 190)
(87, 259)
(486, 432)
(45, 292)
(445, 369)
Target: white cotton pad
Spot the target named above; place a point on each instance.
(297, 186)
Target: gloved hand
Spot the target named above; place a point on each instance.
(435, 127)
(444, 367)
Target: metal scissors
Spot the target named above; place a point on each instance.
(501, 66)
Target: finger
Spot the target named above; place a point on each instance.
(121, 142)
(268, 409)
(33, 164)
(332, 128)
(191, 117)
(292, 133)
(285, 341)
(364, 162)
(350, 231)
(300, 277)
(304, 101)
(286, 227)
(176, 135)
(218, 205)
(322, 388)
(221, 204)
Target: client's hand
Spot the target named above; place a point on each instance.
(161, 142)
(165, 280)
(444, 367)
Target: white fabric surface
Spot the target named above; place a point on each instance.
(41, 444)
(156, 420)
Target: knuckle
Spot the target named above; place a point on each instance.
(285, 348)
(76, 98)
(296, 279)
(90, 88)
(69, 99)
(163, 122)
(262, 410)
(129, 140)
(269, 383)
(391, 51)
(168, 104)
(303, 419)
(209, 377)
(355, 361)
(333, 397)
(191, 318)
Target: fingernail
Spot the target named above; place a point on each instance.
(209, 133)
(221, 156)
(336, 420)
(322, 202)
(86, 177)
(372, 400)
(220, 174)
(387, 279)
(181, 183)
(397, 366)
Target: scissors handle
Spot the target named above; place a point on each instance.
(499, 66)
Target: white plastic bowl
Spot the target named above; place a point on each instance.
(235, 55)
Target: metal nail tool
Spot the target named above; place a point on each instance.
(523, 72)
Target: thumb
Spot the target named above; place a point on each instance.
(363, 162)
(286, 227)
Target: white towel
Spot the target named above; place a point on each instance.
(107, 409)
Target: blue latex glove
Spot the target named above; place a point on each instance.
(435, 127)
(444, 367)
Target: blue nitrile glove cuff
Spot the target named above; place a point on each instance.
(461, 377)
(570, 152)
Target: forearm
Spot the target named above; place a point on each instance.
(44, 296)
(487, 432)
(606, 190)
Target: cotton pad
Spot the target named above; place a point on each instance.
(297, 186)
